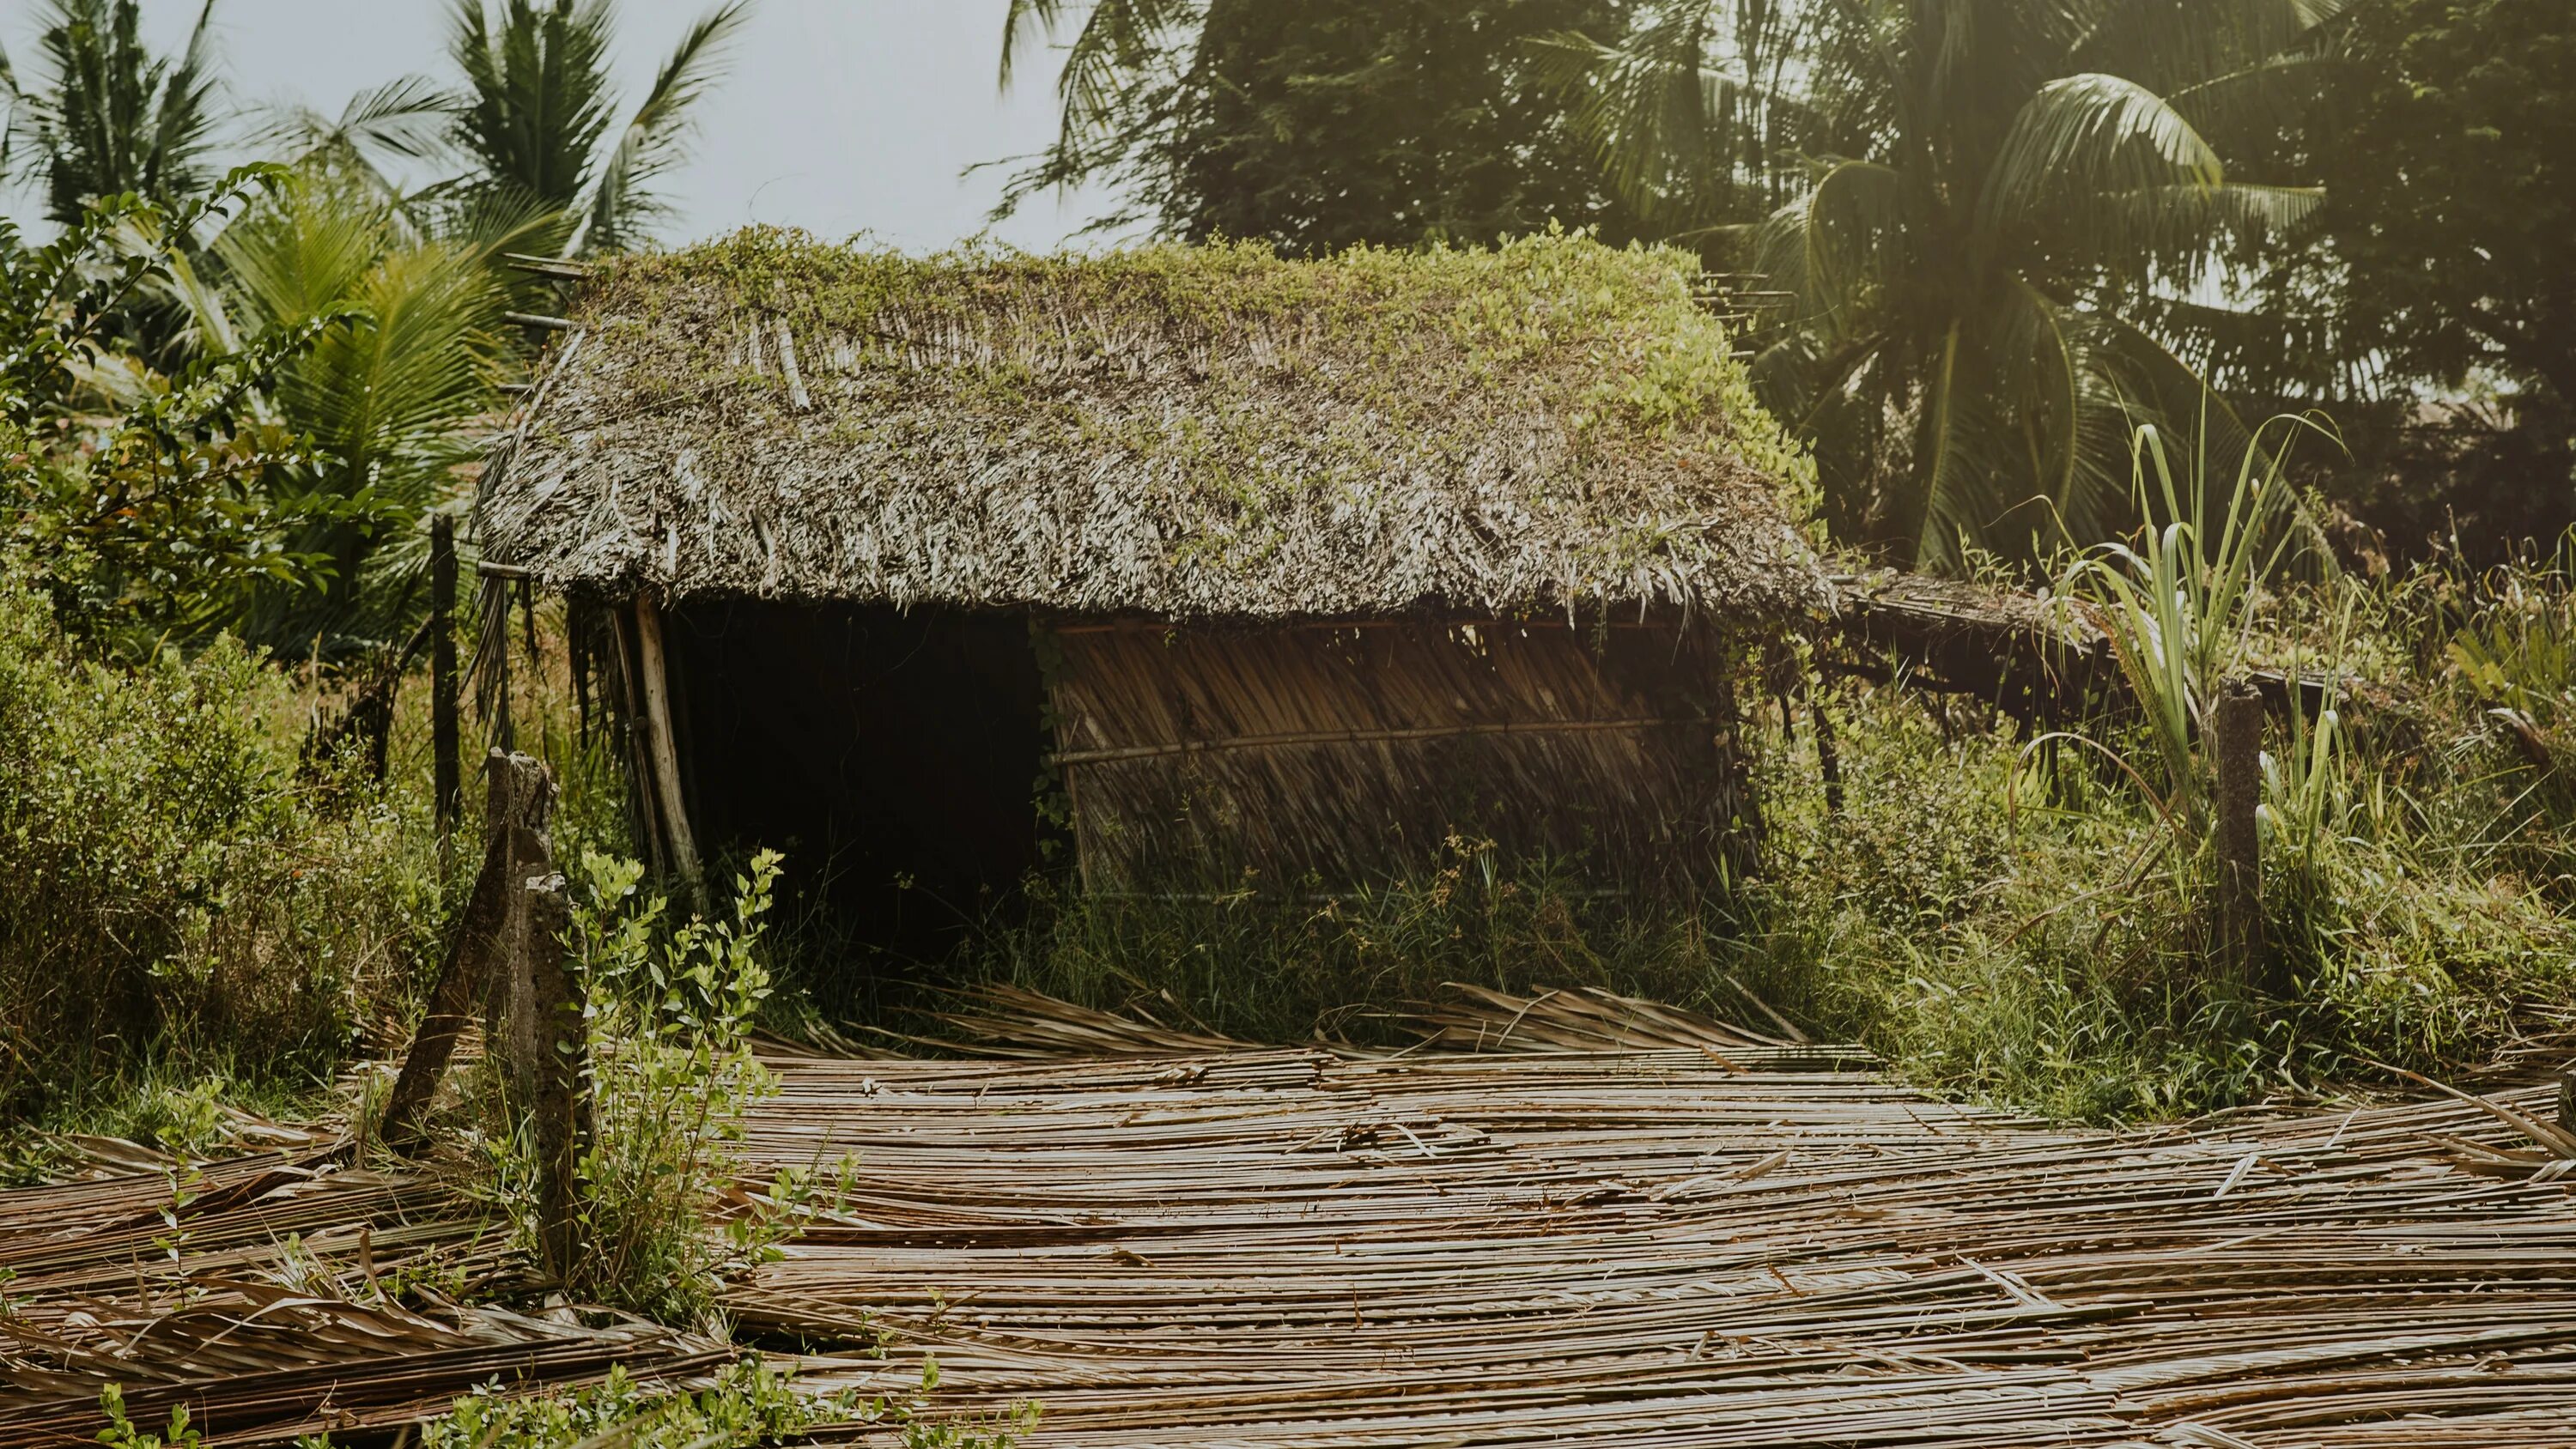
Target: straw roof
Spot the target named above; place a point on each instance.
(1185, 432)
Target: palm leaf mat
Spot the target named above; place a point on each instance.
(1575, 1218)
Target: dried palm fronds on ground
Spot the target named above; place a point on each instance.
(1001, 1020)
(1588, 1018)
(268, 1294)
(1660, 1247)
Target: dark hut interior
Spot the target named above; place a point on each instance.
(894, 757)
(919, 765)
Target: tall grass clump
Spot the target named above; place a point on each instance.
(174, 893)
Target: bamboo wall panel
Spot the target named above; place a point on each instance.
(1290, 758)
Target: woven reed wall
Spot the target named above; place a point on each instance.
(1298, 757)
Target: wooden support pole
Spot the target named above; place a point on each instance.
(509, 950)
(2236, 742)
(632, 735)
(521, 796)
(663, 752)
(495, 643)
(447, 774)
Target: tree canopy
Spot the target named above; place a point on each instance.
(539, 116)
(105, 116)
(232, 404)
(2448, 157)
(2000, 216)
(1321, 124)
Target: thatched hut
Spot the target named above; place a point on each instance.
(1218, 568)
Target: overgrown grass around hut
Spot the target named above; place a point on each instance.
(1342, 966)
(1975, 914)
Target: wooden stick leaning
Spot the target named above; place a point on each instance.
(521, 798)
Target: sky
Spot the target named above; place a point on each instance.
(838, 116)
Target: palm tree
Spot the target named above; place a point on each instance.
(107, 116)
(539, 114)
(2005, 238)
(392, 395)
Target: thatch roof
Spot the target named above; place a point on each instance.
(1185, 432)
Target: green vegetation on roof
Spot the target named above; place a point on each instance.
(1547, 422)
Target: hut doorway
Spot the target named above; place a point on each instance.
(895, 756)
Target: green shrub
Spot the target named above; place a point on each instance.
(749, 1403)
(2004, 927)
(670, 1011)
(173, 891)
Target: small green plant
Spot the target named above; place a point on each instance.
(671, 1011)
(2517, 649)
(121, 1432)
(2180, 605)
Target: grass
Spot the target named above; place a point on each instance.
(1336, 967)
(748, 1403)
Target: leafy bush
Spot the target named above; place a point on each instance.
(2415, 863)
(175, 892)
(749, 1403)
(2045, 968)
(671, 1010)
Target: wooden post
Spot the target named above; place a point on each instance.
(556, 1031)
(2567, 1100)
(521, 797)
(2236, 914)
(1741, 844)
(1829, 759)
(660, 749)
(447, 773)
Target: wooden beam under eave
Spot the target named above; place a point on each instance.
(663, 753)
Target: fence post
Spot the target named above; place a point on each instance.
(1829, 759)
(447, 772)
(559, 1105)
(2236, 742)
